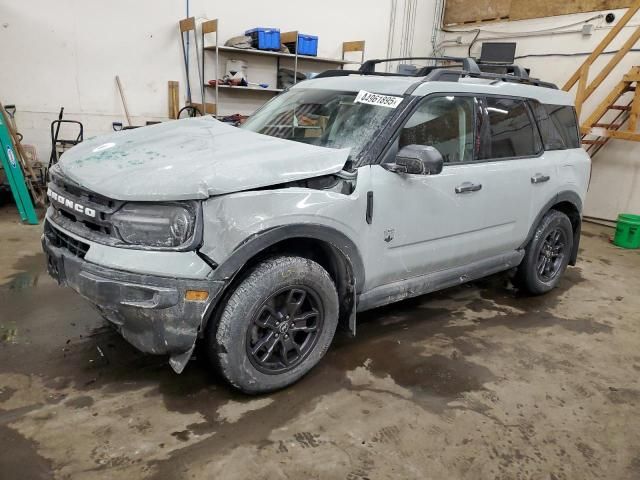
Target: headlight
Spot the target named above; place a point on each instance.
(155, 225)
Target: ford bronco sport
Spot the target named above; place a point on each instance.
(346, 192)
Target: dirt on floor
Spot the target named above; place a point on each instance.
(474, 382)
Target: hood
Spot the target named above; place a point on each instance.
(192, 158)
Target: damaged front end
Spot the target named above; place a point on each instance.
(156, 314)
(125, 227)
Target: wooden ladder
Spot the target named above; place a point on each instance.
(597, 131)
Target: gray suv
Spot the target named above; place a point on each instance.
(346, 192)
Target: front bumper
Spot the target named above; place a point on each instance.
(150, 311)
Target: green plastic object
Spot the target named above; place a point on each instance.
(13, 172)
(627, 231)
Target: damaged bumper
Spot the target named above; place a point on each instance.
(149, 311)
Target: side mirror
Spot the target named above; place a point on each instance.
(417, 160)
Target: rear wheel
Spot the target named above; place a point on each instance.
(276, 325)
(547, 254)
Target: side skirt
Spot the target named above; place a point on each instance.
(413, 287)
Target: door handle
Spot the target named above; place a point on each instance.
(540, 178)
(468, 187)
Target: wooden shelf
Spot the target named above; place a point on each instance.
(298, 63)
(250, 89)
(267, 53)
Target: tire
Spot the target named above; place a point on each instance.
(270, 312)
(550, 251)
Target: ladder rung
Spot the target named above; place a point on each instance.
(619, 107)
(609, 126)
(594, 142)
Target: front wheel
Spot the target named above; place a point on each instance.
(547, 254)
(276, 325)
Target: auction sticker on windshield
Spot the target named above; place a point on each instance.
(378, 100)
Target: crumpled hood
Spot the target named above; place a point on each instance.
(192, 158)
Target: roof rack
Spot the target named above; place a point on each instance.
(468, 63)
(469, 68)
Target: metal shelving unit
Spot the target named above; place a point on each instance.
(211, 27)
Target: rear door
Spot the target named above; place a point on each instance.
(556, 170)
(511, 145)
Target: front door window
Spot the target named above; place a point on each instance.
(446, 123)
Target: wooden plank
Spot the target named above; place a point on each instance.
(582, 85)
(356, 46)
(635, 111)
(174, 102)
(210, 26)
(525, 9)
(470, 11)
(467, 11)
(124, 101)
(187, 24)
(604, 43)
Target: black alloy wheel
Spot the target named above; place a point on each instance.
(285, 330)
(551, 255)
(546, 255)
(276, 324)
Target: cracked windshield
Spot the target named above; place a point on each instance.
(326, 118)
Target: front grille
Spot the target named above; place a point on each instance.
(62, 240)
(71, 211)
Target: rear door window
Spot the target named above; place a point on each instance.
(508, 131)
(558, 125)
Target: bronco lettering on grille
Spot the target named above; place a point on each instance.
(65, 202)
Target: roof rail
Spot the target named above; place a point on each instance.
(468, 63)
(442, 75)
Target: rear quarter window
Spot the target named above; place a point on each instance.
(510, 131)
(558, 125)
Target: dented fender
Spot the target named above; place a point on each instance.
(233, 221)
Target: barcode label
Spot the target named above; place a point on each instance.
(369, 98)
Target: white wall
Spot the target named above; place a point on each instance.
(615, 183)
(67, 52)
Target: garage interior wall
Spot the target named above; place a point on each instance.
(615, 181)
(67, 53)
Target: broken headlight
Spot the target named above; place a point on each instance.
(155, 225)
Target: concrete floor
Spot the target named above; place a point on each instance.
(474, 382)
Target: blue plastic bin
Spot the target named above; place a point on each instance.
(307, 45)
(265, 38)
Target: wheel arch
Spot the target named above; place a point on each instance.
(332, 249)
(569, 203)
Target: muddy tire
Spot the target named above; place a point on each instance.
(547, 254)
(275, 326)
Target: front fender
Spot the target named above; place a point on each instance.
(239, 226)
